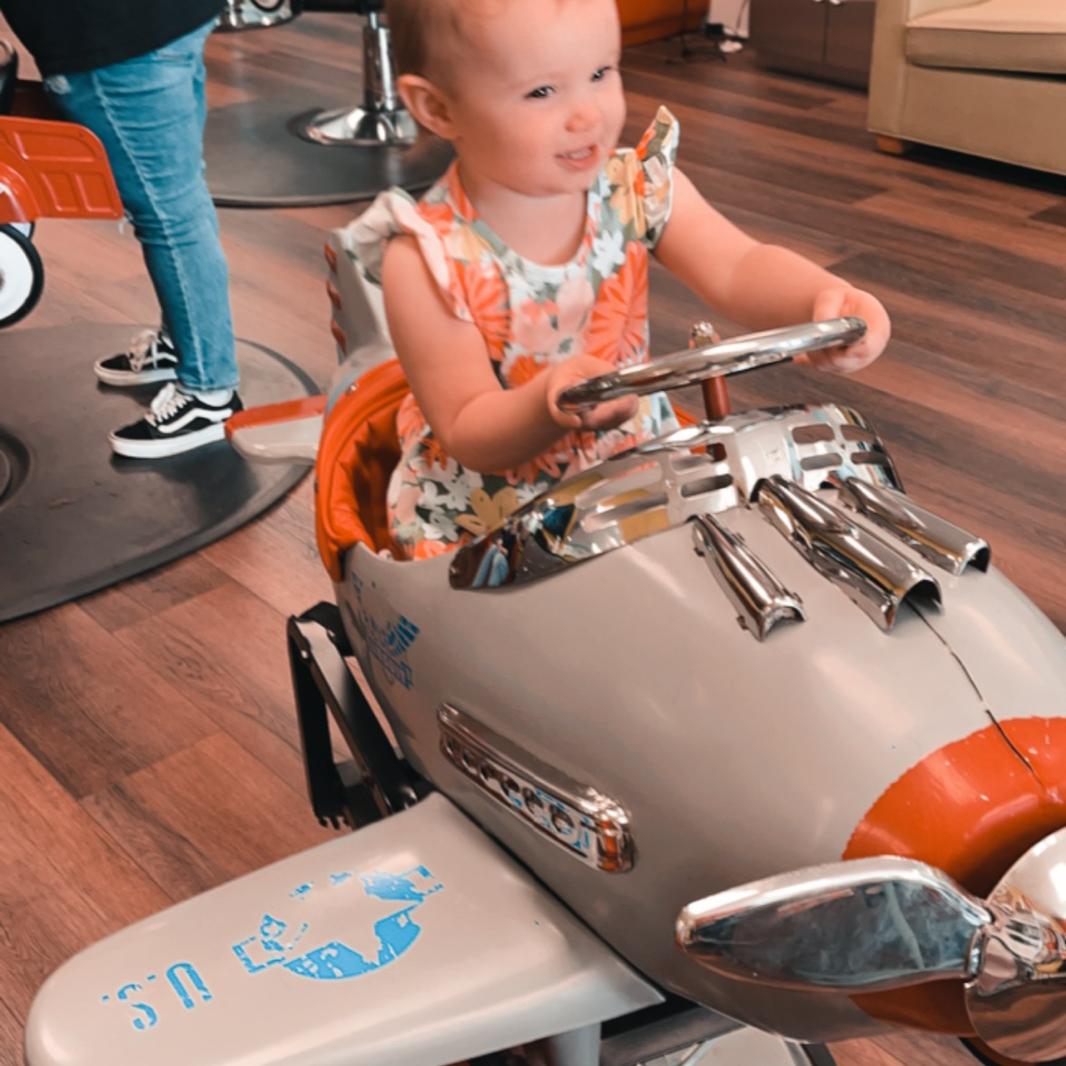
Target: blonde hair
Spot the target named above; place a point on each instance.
(418, 25)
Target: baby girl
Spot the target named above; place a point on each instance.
(524, 270)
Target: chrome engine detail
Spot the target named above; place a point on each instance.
(587, 824)
(871, 573)
(936, 539)
(707, 468)
(761, 600)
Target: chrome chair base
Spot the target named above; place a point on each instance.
(362, 127)
(255, 15)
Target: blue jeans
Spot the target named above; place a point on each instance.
(149, 113)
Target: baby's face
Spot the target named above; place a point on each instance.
(536, 94)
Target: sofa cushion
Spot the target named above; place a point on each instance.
(1015, 35)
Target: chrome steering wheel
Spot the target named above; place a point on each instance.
(736, 356)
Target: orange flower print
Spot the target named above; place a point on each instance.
(488, 511)
(522, 369)
(465, 244)
(534, 331)
(433, 453)
(440, 216)
(403, 507)
(487, 297)
(409, 420)
(551, 462)
(411, 427)
(457, 194)
(427, 549)
(617, 329)
(627, 191)
(574, 298)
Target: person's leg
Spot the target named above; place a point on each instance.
(149, 114)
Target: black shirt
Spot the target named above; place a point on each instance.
(68, 36)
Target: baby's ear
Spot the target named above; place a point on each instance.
(427, 103)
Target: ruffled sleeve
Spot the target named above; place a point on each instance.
(394, 212)
(641, 180)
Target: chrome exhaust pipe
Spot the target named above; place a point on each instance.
(942, 542)
(761, 600)
(870, 572)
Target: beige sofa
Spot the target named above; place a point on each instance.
(987, 77)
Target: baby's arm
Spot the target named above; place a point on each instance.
(482, 425)
(762, 285)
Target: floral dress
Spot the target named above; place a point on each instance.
(531, 316)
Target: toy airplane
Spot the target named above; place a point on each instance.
(719, 751)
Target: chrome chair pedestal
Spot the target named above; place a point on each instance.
(363, 127)
(299, 142)
(255, 14)
(382, 120)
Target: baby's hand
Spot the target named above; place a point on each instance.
(841, 301)
(605, 415)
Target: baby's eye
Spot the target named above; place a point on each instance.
(541, 92)
(602, 73)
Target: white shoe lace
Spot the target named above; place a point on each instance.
(142, 349)
(167, 402)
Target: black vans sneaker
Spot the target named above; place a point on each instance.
(176, 422)
(151, 359)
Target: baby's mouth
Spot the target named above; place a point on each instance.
(579, 155)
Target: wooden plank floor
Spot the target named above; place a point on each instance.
(144, 730)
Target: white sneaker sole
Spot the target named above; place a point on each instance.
(126, 378)
(160, 449)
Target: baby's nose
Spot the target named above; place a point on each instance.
(583, 117)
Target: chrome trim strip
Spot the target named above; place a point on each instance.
(871, 573)
(941, 542)
(584, 822)
(861, 925)
(761, 600)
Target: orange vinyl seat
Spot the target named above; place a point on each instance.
(356, 456)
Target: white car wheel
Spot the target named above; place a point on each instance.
(25, 228)
(21, 275)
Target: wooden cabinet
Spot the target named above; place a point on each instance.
(648, 20)
(829, 39)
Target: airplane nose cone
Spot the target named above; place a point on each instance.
(1017, 1001)
(971, 809)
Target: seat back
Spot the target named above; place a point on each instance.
(358, 451)
(357, 309)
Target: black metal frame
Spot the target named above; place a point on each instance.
(376, 781)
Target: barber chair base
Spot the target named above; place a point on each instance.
(73, 517)
(258, 149)
(362, 128)
(259, 156)
(254, 15)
